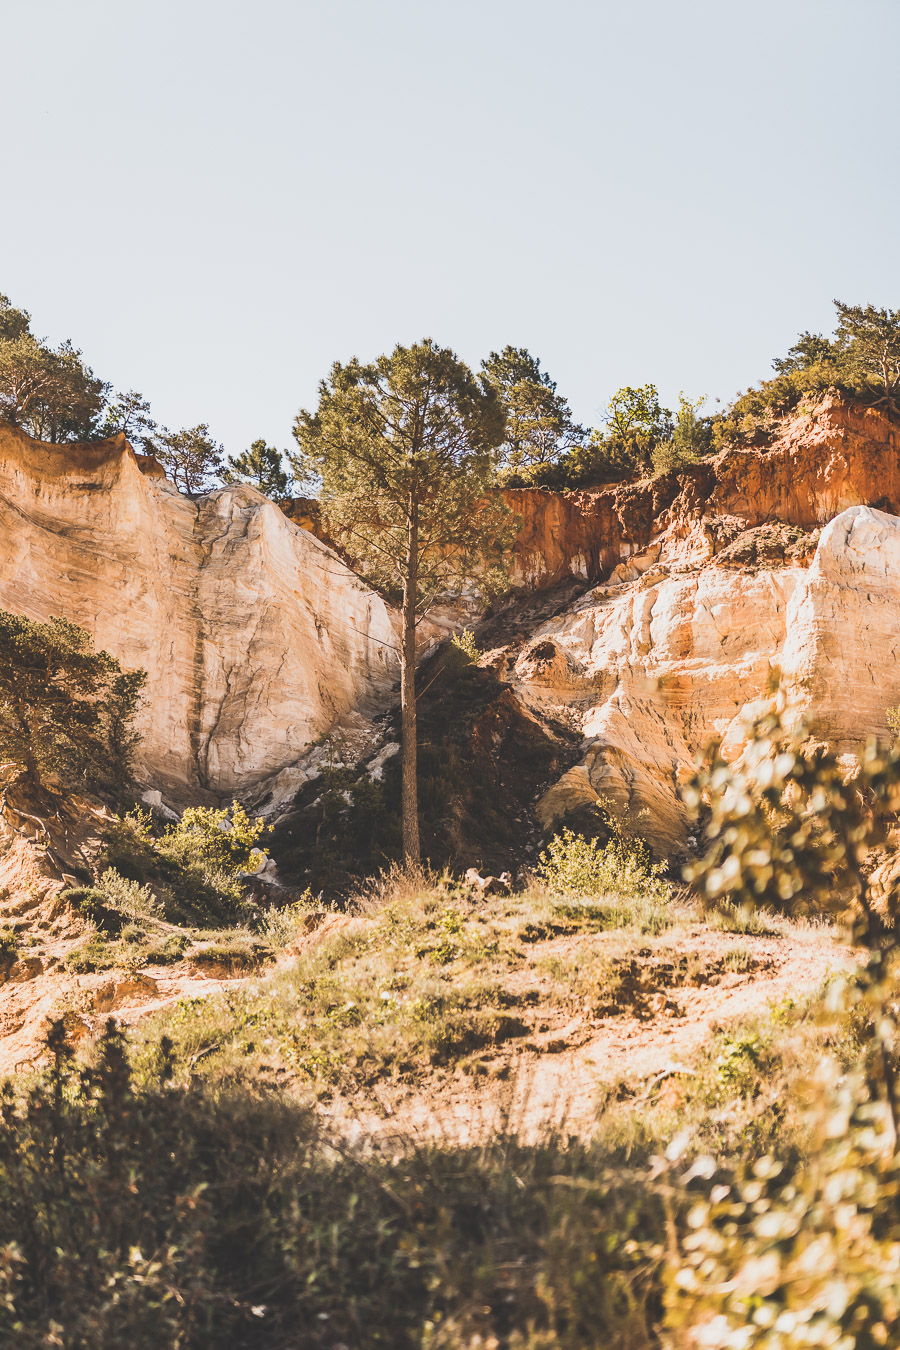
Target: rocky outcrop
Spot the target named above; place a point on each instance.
(258, 640)
(837, 456)
(658, 666)
(256, 637)
(818, 464)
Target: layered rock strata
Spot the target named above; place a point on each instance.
(820, 463)
(256, 637)
(657, 666)
(837, 456)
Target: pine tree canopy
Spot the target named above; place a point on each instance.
(261, 467)
(539, 424)
(404, 448)
(408, 439)
(66, 710)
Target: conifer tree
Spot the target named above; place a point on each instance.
(47, 391)
(130, 414)
(66, 710)
(404, 449)
(539, 423)
(869, 339)
(261, 466)
(191, 457)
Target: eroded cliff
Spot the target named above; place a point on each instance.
(817, 465)
(667, 606)
(657, 667)
(256, 637)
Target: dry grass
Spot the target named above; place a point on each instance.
(394, 1226)
(427, 985)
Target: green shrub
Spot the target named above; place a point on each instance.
(284, 924)
(195, 867)
(224, 843)
(748, 919)
(458, 655)
(755, 415)
(615, 884)
(114, 902)
(9, 950)
(794, 1251)
(129, 845)
(93, 955)
(167, 952)
(465, 643)
(238, 950)
(741, 1060)
(574, 867)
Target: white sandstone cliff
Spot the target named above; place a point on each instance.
(657, 667)
(256, 637)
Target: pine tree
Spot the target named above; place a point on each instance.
(130, 414)
(405, 449)
(539, 424)
(47, 391)
(191, 457)
(869, 340)
(261, 466)
(66, 710)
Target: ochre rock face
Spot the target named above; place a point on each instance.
(836, 457)
(842, 653)
(258, 639)
(659, 666)
(760, 562)
(255, 636)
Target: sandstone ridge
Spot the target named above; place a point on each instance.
(818, 464)
(258, 639)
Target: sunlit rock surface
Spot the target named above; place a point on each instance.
(835, 456)
(256, 637)
(657, 667)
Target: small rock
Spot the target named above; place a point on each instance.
(488, 885)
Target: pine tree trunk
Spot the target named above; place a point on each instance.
(409, 800)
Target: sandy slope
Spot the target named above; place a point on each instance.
(562, 1073)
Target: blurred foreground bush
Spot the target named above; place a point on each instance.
(793, 1251)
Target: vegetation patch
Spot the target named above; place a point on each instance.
(66, 710)
(229, 1220)
(481, 762)
(611, 885)
(9, 950)
(192, 869)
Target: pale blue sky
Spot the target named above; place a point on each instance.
(216, 200)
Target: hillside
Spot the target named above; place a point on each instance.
(659, 612)
(649, 618)
(646, 619)
(422, 1028)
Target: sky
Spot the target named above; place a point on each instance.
(216, 200)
